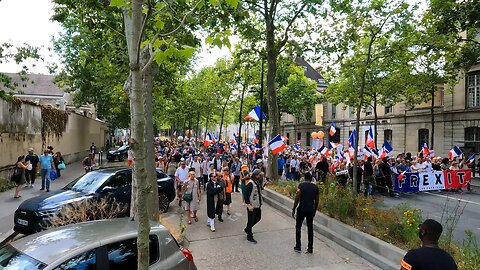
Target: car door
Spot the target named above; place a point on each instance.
(84, 261)
(123, 254)
(118, 187)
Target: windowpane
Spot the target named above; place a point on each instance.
(299, 136)
(473, 90)
(472, 134)
(422, 137)
(388, 136)
(84, 261)
(123, 255)
(308, 138)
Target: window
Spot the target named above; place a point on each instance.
(288, 136)
(123, 255)
(334, 111)
(387, 135)
(299, 136)
(11, 258)
(119, 180)
(472, 134)
(366, 136)
(388, 109)
(422, 137)
(308, 138)
(368, 111)
(84, 261)
(473, 90)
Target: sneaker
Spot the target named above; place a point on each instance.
(32, 185)
(220, 219)
(42, 189)
(48, 190)
(212, 228)
(251, 240)
(309, 251)
(297, 249)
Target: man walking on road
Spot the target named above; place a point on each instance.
(46, 165)
(253, 200)
(307, 196)
(429, 256)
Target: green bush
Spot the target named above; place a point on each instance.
(468, 257)
(6, 184)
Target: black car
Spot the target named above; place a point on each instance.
(114, 183)
(119, 154)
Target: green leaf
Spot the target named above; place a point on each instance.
(160, 57)
(159, 6)
(209, 40)
(187, 51)
(117, 3)
(159, 25)
(144, 43)
(215, 3)
(234, 3)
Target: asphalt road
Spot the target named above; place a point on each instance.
(445, 207)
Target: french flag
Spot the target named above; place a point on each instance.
(471, 159)
(324, 150)
(255, 114)
(401, 176)
(284, 138)
(425, 149)
(208, 140)
(276, 144)
(370, 140)
(351, 139)
(455, 152)
(366, 152)
(386, 149)
(334, 144)
(332, 130)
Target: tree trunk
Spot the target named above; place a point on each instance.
(273, 114)
(432, 115)
(133, 28)
(375, 116)
(359, 108)
(197, 129)
(151, 187)
(240, 118)
(223, 115)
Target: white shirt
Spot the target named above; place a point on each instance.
(196, 165)
(181, 173)
(206, 166)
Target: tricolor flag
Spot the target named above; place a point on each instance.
(255, 114)
(208, 139)
(471, 159)
(332, 130)
(324, 150)
(425, 149)
(284, 138)
(370, 140)
(334, 145)
(455, 152)
(366, 152)
(175, 133)
(351, 139)
(400, 176)
(386, 149)
(276, 144)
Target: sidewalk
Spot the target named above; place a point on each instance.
(9, 204)
(227, 248)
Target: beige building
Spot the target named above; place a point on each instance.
(457, 121)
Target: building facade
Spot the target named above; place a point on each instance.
(456, 120)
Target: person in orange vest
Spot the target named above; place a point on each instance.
(228, 179)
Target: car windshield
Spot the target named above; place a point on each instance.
(88, 183)
(13, 259)
(123, 147)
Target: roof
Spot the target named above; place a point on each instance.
(54, 244)
(36, 84)
(310, 72)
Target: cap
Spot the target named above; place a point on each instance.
(259, 161)
(257, 171)
(244, 168)
(182, 159)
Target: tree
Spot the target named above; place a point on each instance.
(9, 53)
(271, 23)
(364, 33)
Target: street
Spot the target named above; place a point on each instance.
(442, 206)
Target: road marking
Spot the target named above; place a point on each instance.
(453, 198)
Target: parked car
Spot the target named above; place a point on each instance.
(115, 183)
(119, 154)
(100, 244)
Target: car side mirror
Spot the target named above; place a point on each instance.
(107, 190)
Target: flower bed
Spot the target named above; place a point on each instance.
(398, 226)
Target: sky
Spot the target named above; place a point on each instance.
(28, 21)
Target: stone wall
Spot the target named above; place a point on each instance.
(20, 128)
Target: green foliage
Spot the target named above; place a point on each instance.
(299, 96)
(469, 254)
(6, 184)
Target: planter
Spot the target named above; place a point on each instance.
(380, 253)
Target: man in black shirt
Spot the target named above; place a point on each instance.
(369, 180)
(429, 256)
(30, 175)
(307, 196)
(322, 169)
(385, 179)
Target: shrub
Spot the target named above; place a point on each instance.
(86, 211)
(6, 184)
(469, 254)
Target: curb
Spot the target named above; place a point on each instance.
(7, 237)
(380, 253)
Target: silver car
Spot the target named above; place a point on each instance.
(101, 244)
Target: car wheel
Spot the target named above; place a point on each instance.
(163, 202)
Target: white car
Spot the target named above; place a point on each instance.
(101, 244)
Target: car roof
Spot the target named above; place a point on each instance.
(47, 246)
(112, 170)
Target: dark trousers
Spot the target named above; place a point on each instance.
(298, 228)
(236, 183)
(30, 176)
(205, 181)
(253, 218)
